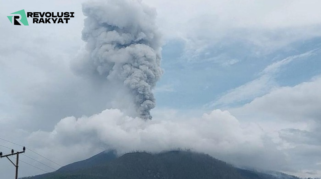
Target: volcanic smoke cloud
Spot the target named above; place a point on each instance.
(123, 45)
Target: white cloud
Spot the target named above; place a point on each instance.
(164, 88)
(217, 133)
(276, 66)
(292, 116)
(265, 26)
(261, 26)
(235, 14)
(297, 103)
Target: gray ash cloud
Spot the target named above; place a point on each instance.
(123, 45)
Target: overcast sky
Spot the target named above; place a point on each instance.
(241, 81)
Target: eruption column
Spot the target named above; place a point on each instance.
(123, 45)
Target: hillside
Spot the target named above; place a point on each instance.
(142, 165)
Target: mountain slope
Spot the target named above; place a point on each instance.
(142, 165)
(99, 159)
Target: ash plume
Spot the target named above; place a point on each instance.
(123, 45)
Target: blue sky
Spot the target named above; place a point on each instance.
(193, 84)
